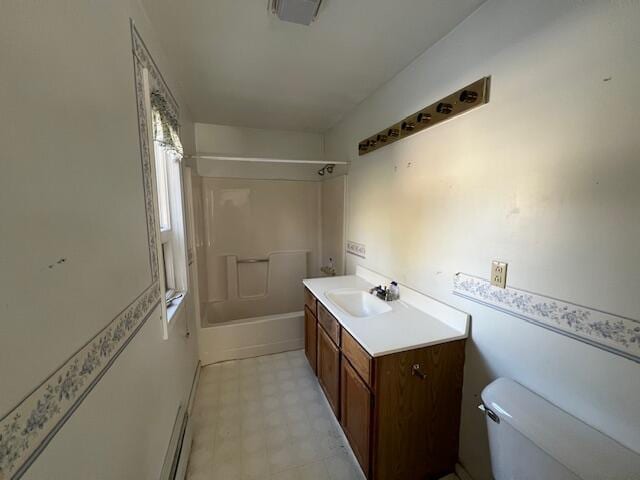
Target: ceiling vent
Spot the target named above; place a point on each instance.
(297, 11)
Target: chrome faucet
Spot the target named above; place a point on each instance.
(388, 294)
(379, 292)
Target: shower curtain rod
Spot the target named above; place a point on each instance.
(213, 156)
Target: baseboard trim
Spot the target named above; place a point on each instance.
(183, 463)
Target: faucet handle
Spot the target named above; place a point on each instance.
(394, 290)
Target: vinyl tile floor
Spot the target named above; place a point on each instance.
(266, 418)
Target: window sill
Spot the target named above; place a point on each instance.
(175, 308)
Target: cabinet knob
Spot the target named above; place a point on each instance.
(415, 371)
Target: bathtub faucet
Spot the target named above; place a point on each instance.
(328, 270)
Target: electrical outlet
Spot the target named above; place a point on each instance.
(355, 248)
(498, 274)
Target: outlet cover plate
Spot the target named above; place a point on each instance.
(499, 274)
(355, 248)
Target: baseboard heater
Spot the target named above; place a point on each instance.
(177, 457)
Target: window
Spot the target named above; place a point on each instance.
(167, 163)
(167, 156)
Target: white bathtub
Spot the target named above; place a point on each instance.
(251, 337)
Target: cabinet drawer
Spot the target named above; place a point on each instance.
(329, 323)
(310, 301)
(359, 358)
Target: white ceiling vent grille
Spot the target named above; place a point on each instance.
(297, 11)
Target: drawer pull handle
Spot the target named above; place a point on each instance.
(415, 370)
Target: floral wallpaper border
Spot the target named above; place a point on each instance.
(610, 332)
(27, 429)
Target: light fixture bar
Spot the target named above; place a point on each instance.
(472, 96)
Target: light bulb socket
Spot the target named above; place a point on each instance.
(445, 108)
(424, 117)
(468, 96)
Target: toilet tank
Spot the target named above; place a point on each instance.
(532, 439)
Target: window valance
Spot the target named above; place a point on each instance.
(165, 123)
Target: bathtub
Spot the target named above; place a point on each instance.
(251, 337)
(255, 309)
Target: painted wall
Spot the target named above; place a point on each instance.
(244, 141)
(262, 143)
(74, 235)
(333, 194)
(544, 177)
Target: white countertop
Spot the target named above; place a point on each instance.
(418, 321)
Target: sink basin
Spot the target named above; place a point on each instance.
(357, 303)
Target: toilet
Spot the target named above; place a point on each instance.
(531, 439)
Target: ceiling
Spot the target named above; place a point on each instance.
(237, 64)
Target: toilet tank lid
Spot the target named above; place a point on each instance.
(582, 449)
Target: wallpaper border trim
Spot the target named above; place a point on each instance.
(607, 331)
(27, 429)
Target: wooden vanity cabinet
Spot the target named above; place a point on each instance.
(360, 360)
(416, 414)
(329, 369)
(311, 329)
(329, 323)
(310, 338)
(400, 412)
(310, 302)
(356, 405)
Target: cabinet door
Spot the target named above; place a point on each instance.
(356, 414)
(310, 338)
(329, 370)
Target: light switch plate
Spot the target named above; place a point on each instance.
(498, 274)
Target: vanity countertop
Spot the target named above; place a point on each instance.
(414, 321)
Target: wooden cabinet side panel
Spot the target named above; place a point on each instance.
(417, 421)
(310, 338)
(329, 370)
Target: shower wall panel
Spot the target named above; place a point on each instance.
(259, 239)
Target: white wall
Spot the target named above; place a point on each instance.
(71, 187)
(333, 215)
(224, 140)
(544, 177)
(244, 141)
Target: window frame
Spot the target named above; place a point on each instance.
(171, 235)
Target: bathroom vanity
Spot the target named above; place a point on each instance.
(391, 371)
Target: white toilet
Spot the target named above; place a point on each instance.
(531, 439)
